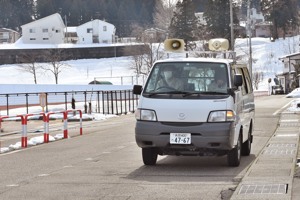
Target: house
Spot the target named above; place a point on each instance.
(289, 79)
(48, 30)
(154, 34)
(200, 17)
(8, 36)
(96, 31)
(263, 29)
(256, 16)
(71, 34)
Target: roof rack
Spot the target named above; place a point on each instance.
(216, 54)
(218, 48)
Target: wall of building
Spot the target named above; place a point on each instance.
(12, 56)
(97, 31)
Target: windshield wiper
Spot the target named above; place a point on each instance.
(170, 92)
(186, 94)
(191, 93)
(212, 92)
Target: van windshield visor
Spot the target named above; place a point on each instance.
(188, 78)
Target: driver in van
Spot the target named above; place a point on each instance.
(219, 84)
(169, 80)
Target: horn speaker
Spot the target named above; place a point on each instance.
(174, 45)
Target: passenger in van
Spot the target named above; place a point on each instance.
(169, 79)
(219, 84)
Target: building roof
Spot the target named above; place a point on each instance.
(55, 15)
(290, 56)
(96, 20)
(71, 29)
(7, 30)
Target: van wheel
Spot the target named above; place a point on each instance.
(246, 146)
(234, 155)
(149, 156)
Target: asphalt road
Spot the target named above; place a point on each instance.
(105, 163)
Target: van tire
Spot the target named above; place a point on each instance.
(149, 156)
(234, 155)
(246, 146)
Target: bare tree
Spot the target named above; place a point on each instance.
(163, 14)
(295, 81)
(143, 58)
(292, 46)
(257, 78)
(56, 57)
(30, 65)
(143, 61)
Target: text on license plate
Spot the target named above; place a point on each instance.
(180, 138)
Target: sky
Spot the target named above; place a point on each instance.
(81, 72)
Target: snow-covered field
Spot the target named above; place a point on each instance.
(265, 55)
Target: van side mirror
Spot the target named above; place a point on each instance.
(238, 80)
(137, 89)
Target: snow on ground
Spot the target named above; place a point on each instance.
(265, 55)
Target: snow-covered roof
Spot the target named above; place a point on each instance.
(96, 20)
(55, 16)
(289, 55)
(71, 29)
(7, 30)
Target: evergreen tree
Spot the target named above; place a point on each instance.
(200, 5)
(184, 22)
(47, 7)
(253, 4)
(14, 13)
(163, 14)
(282, 13)
(217, 16)
(123, 14)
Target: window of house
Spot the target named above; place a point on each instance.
(45, 38)
(104, 28)
(89, 30)
(4, 35)
(45, 30)
(32, 39)
(32, 30)
(57, 31)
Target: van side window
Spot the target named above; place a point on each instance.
(248, 80)
(244, 86)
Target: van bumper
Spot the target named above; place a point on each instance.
(206, 138)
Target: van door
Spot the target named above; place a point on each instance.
(246, 101)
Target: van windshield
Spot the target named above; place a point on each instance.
(188, 78)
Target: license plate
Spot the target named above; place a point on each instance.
(180, 138)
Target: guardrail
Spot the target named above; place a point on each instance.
(46, 120)
(103, 102)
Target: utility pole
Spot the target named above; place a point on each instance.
(66, 34)
(249, 27)
(231, 26)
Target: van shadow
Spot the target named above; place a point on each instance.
(189, 169)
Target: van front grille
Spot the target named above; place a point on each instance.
(182, 123)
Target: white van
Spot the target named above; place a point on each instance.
(195, 106)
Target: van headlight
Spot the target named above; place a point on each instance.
(145, 115)
(221, 116)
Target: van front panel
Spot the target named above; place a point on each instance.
(184, 110)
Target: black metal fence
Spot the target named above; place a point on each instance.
(103, 102)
